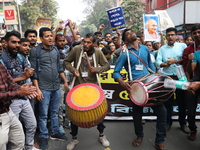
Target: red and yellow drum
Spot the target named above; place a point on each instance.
(86, 105)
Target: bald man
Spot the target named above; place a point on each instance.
(151, 33)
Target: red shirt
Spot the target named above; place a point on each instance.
(188, 50)
(8, 88)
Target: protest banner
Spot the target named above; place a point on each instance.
(151, 27)
(165, 20)
(119, 105)
(116, 18)
(10, 15)
(42, 22)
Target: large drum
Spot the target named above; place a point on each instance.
(86, 105)
(149, 90)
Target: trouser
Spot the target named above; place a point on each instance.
(161, 114)
(11, 130)
(191, 103)
(74, 128)
(60, 112)
(49, 104)
(22, 108)
(180, 99)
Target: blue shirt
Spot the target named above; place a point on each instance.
(166, 52)
(197, 57)
(15, 65)
(122, 61)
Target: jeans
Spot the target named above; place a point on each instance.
(23, 110)
(74, 128)
(180, 99)
(49, 104)
(161, 114)
(11, 130)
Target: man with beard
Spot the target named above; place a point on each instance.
(86, 75)
(63, 49)
(169, 57)
(20, 70)
(137, 51)
(48, 71)
(31, 35)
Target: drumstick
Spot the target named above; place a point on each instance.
(87, 59)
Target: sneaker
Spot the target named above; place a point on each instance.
(43, 144)
(68, 125)
(61, 130)
(34, 148)
(104, 141)
(58, 136)
(72, 144)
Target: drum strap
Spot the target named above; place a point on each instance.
(77, 67)
(151, 71)
(129, 65)
(95, 65)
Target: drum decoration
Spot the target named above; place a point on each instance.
(149, 90)
(86, 105)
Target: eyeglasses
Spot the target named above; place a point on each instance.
(171, 35)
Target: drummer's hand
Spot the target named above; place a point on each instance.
(92, 69)
(194, 86)
(125, 85)
(76, 73)
(171, 61)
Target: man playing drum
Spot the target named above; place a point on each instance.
(137, 52)
(85, 74)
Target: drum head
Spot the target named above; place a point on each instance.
(138, 93)
(85, 96)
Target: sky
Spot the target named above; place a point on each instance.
(71, 9)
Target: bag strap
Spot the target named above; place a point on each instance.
(151, 71)
(38, 50)
(1, 61)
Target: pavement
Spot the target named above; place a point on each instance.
(121, 134)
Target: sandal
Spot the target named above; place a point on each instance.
(137, 142)
(160, 146)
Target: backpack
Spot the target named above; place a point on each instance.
(38, 50)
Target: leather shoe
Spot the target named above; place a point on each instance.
(184, 129)
(168, 127)
(160, 146)
(192, 135)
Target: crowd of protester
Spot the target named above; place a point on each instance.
(36, 75)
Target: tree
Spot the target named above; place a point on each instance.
(97, 15)
(30, 10)
(133, 11)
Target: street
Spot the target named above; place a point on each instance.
(121, 134)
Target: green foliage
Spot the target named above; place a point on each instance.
(133, 12)
(30, 10)
(96, 15)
